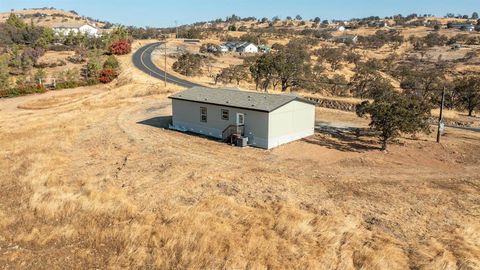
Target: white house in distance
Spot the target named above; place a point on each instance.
(242, 117)
(248, 48)
(73, 27)
(241, 47)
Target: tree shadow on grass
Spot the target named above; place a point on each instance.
(345, 139)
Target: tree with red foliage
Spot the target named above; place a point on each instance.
(120, 47)
(107, 75)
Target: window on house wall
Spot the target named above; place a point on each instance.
(203, 114)
(225, 115)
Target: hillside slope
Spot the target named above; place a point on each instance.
(49, 17)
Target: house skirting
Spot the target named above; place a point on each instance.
(215, 133)
(190, 127)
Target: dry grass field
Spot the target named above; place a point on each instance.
(89, 178)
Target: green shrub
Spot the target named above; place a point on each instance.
(111, 63)
(23, 89)
(67, 84)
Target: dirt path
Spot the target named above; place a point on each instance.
(50, 99)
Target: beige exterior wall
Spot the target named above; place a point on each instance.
(290, 122)
(186, 117)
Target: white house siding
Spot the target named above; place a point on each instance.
(65, 31)
(251, 49)
(84, 29)
(186, 117)
(290, 122)
(89, 30)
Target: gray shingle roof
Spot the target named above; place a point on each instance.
(237, 98)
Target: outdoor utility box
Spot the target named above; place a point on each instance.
(242, 141)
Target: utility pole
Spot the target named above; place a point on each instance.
(176, 29)
(165, 70)
(440, 118)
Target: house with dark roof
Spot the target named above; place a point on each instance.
(241, 47)
(462, 26)
(242, 117)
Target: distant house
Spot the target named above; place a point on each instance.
(247, 48)
(377, 24)
(241, 47)
(346, 39)
(256, 119)
(223, 48)
(456, 46)
(66, 28)
(231, 46)
(207, 25)
(217, 48)
(462, 26)
(264, 49)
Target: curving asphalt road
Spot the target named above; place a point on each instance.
(464, 128)
(142, 59)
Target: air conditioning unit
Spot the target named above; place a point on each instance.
(241, 141)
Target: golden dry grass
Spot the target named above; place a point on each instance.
(95, 184)
(51, 18)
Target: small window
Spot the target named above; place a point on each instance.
(203, 114)
(225, 115)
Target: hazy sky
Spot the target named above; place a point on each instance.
(165, 12)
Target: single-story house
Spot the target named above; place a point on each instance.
(220, 48)
(247, 48)
(66, 28)
(347, 39)
(456, 46)
(462, 26)
(377, 24)
(223, 48)
(241, 47)
(231, 45)
(262, 120)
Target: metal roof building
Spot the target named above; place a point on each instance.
(264, 120)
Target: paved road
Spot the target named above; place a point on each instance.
(142, 59)
(464, 128)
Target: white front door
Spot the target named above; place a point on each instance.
(240, 119)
